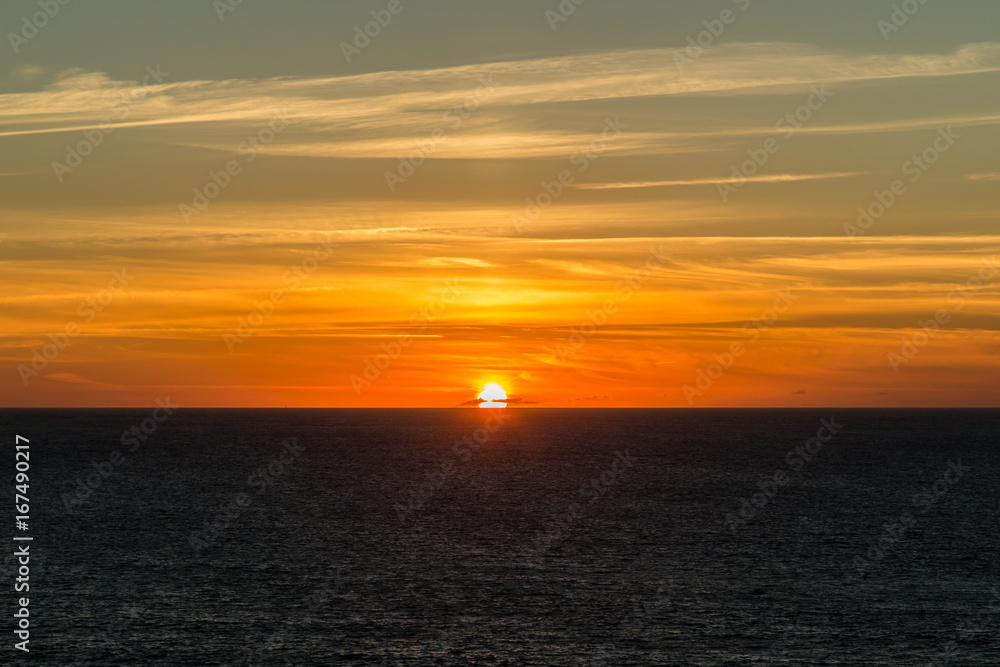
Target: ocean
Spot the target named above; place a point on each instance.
(508, 537)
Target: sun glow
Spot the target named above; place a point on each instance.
(492, 396)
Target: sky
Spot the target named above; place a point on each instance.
(631, 204)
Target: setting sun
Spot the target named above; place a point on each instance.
(492, 396)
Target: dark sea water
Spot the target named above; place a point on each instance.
(562, 537)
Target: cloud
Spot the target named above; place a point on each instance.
(510, 400)
(994, 176)
(76, 379)
(800, 392)
(27, 72)
(775, 178)
(455, 261)
(384, 114)
(576, 267)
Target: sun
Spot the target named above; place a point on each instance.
(493, 396)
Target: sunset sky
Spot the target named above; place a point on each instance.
(624, 138)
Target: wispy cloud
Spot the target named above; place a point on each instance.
(774, 178)
(455, 261)
(381, 114)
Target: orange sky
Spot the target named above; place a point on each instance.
(425, 318)
(583, 222)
